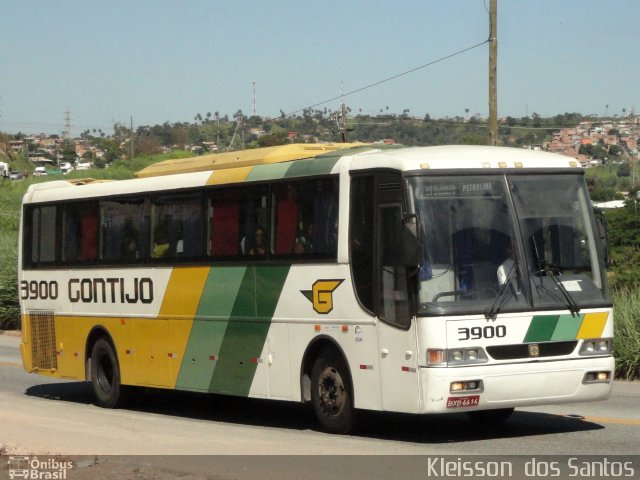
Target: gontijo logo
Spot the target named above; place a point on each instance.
(321, 294)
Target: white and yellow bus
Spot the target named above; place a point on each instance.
(421, 280)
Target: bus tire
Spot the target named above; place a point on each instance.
(331, 395)
(491, 416)
(105, 375)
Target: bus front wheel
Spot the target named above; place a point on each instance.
(331, 393)
(105, 375)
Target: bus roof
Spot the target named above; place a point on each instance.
(457, 157)
(242, 158)
(292, 161)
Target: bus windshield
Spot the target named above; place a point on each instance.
(493, 243)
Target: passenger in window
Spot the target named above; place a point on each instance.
(259, 247)
(161, 244)
(304, 241)
(129, 248)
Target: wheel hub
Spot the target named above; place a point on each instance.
(332, 392)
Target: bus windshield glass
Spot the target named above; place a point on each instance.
(476, 261)
(557, 231)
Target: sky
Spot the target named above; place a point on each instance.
(159, 61)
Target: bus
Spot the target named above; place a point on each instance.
(352, 277)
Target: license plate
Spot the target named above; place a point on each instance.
(458, 402)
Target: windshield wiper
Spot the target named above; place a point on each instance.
(571, 303)
(497, 304)
(547, 269)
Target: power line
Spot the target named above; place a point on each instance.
(375, 84)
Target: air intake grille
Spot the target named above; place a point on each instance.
(43, 340)
(521, 350)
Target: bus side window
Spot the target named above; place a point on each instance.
(124, 228)
(177, 226)
(286, 218)
(80, 232)
(224, 220)
(305, 218)
(325, 216)
(255, 224)
(40, 239)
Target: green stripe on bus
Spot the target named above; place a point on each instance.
(268, 172)
(209, 327)
(315, 166)
(541, 328)
(567, 328)
(247, 331)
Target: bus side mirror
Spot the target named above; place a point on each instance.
(411, 242)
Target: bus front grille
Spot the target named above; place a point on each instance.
(522, 350)
(43, 340)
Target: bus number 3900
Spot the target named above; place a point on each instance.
(476, 333)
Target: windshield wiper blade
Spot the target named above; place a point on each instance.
(547, 269)
(571, 303)
(497, 304)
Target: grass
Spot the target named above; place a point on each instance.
(9, 306)
(626, 302)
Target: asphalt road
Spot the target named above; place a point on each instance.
(42, 416)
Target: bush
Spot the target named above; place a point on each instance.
(626, 302)
(9, 306)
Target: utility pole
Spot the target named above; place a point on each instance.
(254, 99)
(493, 71)
(67, 125)
(131, 118)
(341, 117)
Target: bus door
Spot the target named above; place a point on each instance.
(381, 282)
(396, 330)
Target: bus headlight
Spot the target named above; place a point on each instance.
(597, 346)
(466, 356)
(456, 356)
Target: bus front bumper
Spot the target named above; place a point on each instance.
(514, 385)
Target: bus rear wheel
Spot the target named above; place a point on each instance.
(105, 375)
(331, 393)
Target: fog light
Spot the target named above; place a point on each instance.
(597, 377)
(467, 386)
(457, 386)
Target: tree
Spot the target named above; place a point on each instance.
(537, 122)
(623, 170)
(68, 151)
(273, 139)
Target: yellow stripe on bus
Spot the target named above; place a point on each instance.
(593, 325)
(183, 292)
(233, 175)
(177, 312)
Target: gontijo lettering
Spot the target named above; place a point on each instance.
(111, 290)
(92, 290)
